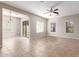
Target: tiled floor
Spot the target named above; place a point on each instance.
(44, 47)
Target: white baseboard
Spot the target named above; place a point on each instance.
(64, 37)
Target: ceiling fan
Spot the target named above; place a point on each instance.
(52, 10)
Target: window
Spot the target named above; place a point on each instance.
(39, 26)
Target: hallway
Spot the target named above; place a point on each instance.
(44, 47)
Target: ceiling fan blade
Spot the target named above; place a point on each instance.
(56, 9)
(56, 12)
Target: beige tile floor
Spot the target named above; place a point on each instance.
(43, 47)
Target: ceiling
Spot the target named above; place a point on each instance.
(39, 7)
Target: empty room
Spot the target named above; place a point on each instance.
(39, 28)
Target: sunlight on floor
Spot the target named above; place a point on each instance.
(15, 46)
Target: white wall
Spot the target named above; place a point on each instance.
(61, 27)
(11, 29)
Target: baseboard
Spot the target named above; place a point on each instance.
(63, 37)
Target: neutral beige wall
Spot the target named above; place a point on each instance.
(61, 26)
(0, 27)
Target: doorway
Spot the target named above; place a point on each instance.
(25, 27)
